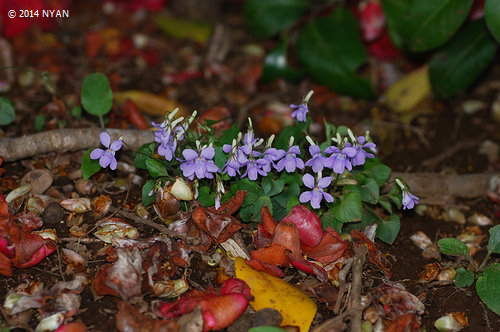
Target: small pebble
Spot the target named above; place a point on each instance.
(52, 214)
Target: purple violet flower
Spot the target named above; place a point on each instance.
(318, 160)
(409, 200)
(106, 157)
(317, 193)
(290, 161)
(167, 143)
(255, 167)
(236, 160)
(339, 160)
(299, 112)
(360, 145)
(199, 163)
(270, 156)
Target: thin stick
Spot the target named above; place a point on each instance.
(442, 156)
(357, 283)
(59, 261)
(159, 227)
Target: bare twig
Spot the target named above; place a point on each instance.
(63, 140)
(343, 285)
(59, 262)
(79, 239)
(161, 228)
(357, 284)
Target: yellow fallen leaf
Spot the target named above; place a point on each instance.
(409, 91)
(296, 308)
(150, 103)
(184, 29)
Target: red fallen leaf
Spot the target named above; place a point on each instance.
(30, 249)
(262, 239)
(181, 77)
(265, 267)
(383, 48)
(219, 114)
(99, 281)
(219, 227)
(307, 223)
(2, 170)
(133, 115)
(6, 249)
(371, 19)
(396, 300)
(29, 221)
(274, 254)
(130, 319)
(374, 256)
(330, 248)
(408, 322)
(218, 311)
(125, 276)
(268, 222)
(231, 206)
(72, 327)
(310, 268)
(5, 266)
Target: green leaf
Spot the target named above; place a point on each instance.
(271, 186)
(453, 247)
(492, 16)
(205, 197)
(284, 136)
(430, 23)
(276, 65)
(76, 111)
(330, 131)
(265, 329)
(183, 29)
(285, 200)
(387, 230)
(220, 157)
(330, 49)
(252, 212)
(252, 189)
(145, 152)
(39, 122)
(294, 201)
(155, 168)
(369, 191)
(328, 219)
(97, 97)
(494, 241)
(460, 62)
(89, 166)
(267, 18)
(146, 189)
(395, 12)
(374, 169)
(7, 112)
(385, 203)
(464, 278)
(488, 287)
(396, 195)
(228, 135)
(349, 208)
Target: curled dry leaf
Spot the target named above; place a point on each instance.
(170, 288)
(78, 205)
(125, 276)
(85, 187)
(181, 190)
(396, 300)
(166, 205)
(50, 323)
(430, 272)
(101, 205)
(307, 223)
(374, 255)
(219, 309)
(74, 259)
(16, 193)
(38, 179)
(37, 203)
(129, 319)
(115, 228)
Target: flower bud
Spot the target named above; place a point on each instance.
(181, 190)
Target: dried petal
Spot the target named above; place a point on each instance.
(181, 190)
(115, 227)
(78, 205)
(307, 223)
(101, 205)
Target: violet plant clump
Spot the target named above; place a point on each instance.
(340, 178)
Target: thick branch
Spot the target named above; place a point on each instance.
(63, 140)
